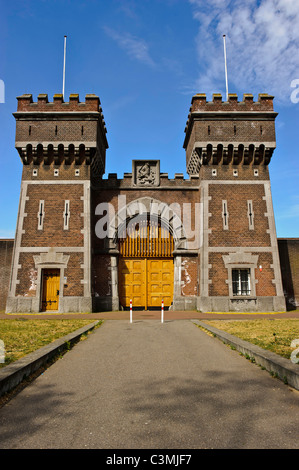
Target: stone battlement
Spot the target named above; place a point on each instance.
(128, 181)
(26, 104)
(61, 132)
(199, 103)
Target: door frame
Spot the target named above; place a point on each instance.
(42, 288)
(154, 207)
(51, 259)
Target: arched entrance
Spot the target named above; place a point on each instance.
(146, 265)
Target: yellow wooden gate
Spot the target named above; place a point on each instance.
(145, 271)
(50, 294)
(159, 282)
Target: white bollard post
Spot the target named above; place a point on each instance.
(162, 312)
(131, 319)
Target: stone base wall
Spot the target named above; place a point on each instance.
(66, 305)
(226, 304)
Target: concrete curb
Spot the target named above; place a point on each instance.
(13, 374)
(278, 366)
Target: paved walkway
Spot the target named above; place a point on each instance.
(155, 386)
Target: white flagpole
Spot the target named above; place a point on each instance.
(64, 57)
(225, 63)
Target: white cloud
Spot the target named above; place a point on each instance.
(262, 45)
(136, 48)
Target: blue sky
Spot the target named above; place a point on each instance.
(145, 59)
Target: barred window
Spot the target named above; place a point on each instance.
(41, 215)
(225, 215)
(241, 281)
(66, 215)
(250, 215)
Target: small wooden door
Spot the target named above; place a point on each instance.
(51, 285)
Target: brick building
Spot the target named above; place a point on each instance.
(88, 243)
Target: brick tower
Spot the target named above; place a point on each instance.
(229, 145)
(62, 146)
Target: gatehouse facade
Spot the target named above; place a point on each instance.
(85, 242)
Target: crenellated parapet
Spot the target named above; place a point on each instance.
(61, 132)
(92, 104)
(229, 132)
(199, 103)
(162, 181)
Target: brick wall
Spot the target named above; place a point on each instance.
(52, 233)
(265, 277)
(238, 232)
(56, 131)
(289, 261)
(6, 250)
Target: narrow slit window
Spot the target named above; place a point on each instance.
(66, 215)
(41, 215)
(56, 130)
(29, 130)
(241, 282)
(82, 130)
(250, 215)
(225, 215)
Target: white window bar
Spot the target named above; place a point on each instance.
(66, 215)
(41, 215)
(250, 215)
(225, 215)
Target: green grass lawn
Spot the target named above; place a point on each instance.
(24, 336)
(275, 335)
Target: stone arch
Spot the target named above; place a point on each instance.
(168, 214)
(171, 220)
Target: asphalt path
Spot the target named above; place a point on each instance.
(149, 385)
